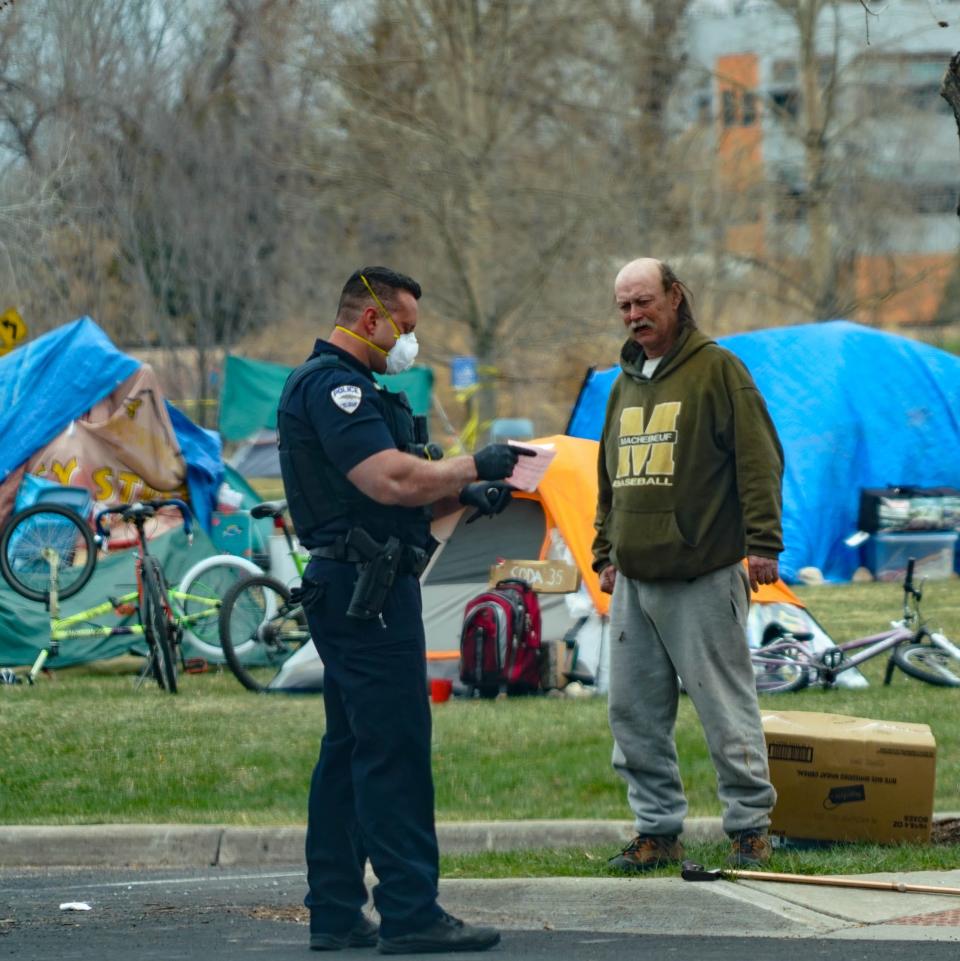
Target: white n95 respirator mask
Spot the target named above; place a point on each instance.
(401, 356)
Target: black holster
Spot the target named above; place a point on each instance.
(377, 567)
(375, 573)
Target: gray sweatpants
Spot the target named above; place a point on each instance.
(697, 630)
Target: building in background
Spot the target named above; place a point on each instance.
(829, 158)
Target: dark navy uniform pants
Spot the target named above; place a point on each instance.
(372, 789)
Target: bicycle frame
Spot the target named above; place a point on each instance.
(64, 629)
(824, 667)
(827, 665)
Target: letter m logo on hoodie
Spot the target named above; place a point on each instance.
(647, 448)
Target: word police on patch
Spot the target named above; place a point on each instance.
(347, 397)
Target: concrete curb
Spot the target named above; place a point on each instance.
(199, 845)
(174, 845)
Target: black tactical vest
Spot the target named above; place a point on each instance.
(320, 498)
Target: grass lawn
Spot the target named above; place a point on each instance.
(83, 748)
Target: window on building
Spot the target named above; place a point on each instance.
(729, 107)
(703, 108)
(786, 103)
(927, 97)
(790, 205)
(913, 78)
(932, 198)
(748, 111)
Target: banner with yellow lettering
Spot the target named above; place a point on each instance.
(122, 450)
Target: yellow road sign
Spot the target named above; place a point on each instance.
(12, 330)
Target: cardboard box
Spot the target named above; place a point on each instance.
(555, 660)
(844, 778)
(545, 577)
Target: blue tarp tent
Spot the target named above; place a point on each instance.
(56, 378)
(854, 408)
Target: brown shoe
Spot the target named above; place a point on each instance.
(750, 849)
(647, 852)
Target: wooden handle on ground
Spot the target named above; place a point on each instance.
(898, 886)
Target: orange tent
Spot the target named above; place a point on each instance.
(568, 494)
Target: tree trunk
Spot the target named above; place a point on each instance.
(950, 91)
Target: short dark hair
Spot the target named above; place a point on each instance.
(685, 307)
(385, 283)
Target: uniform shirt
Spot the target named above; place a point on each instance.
(344, 411)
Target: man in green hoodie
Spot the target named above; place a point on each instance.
(690, 470)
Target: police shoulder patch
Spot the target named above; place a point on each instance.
(347, 397)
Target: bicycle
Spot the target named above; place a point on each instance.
(48, 553)
(262, 623)
(786, 661)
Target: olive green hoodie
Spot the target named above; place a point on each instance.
(690, 466)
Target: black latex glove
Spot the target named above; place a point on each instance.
(488, 497)
(496, 461)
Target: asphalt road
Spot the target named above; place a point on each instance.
(216, 915)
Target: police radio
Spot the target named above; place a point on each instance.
(421, 446)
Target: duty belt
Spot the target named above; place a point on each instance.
(413, 560)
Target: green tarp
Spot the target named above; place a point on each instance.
(251, 390)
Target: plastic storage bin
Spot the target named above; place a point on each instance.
(232, 532)
(35, 489)
(887, 554)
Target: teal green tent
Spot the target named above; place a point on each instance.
(251, 390)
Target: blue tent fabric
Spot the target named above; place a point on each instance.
(50, 381)
(854, 407)
(203, 452)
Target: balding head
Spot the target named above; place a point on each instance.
(653, 304)
(641, 267)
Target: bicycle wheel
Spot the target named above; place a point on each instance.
(777, 673)
(927, 663)
(200, 595)
(260, 629)
(158, 628)
(37, 537)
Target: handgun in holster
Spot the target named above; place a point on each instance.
(376, 573)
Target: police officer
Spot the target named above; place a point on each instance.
(361, 503)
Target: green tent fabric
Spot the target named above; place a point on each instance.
(251, 390)
(25, 625)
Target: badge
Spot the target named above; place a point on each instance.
(347, 397)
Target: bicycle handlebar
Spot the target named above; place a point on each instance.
(909, 589)
(140, 511)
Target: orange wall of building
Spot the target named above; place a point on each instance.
(918, 281)
(740, 152)
(740, 148)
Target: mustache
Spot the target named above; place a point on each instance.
(640, 325)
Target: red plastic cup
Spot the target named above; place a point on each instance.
(440, 689)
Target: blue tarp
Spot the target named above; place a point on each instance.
(51, 381)
(58, 377)
(203, 453)
(854, 408)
